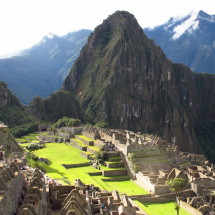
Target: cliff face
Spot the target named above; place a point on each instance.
(56, 106)
(123, 78)
(6, 97)
(12, 112)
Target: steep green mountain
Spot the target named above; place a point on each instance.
(41, 70)
(12, 112)
(123, 78)
(189, 40)
(56, 106)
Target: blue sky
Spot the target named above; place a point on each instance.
(24, 22)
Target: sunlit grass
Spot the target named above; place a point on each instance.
(164, 208)
(60, 153)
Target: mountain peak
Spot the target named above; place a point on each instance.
(118, 22)
(188, 25)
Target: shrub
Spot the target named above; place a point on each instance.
(19, 131)
(102, 156)
(101, 125)
(66, 122)
(33, 161)
(35, 146)
(32, 156)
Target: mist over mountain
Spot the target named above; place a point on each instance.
(189, 40)
(41, 70)
(123, 78)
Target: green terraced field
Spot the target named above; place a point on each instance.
(61, 153)
(165, 208)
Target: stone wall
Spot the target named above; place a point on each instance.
(10, 201)
(67, 166)
(85, 155)
(87, 134)
(109, 173)
(145, 182)
(115, 165)
(72, 130)
(190, 209)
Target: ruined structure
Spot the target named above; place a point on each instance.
(147, 159)
(158, 162)
(21, 191)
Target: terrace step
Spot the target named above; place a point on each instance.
(87, 142)
(92, 149)
(94, 173)
(86, 155)
(114, 164)
(121, 178)
(112, 154)
(67, 166)
(78, 146)
(114, 159)
(109, 173)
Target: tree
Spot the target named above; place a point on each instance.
(66, 122)
(101, 125)
(177, 185)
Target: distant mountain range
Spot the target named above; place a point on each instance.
(40, 70)
(189, 40)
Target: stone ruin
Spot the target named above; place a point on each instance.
(161, 162)
(25, 191)
(22, 192)
(86, 200)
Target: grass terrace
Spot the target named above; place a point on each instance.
(84, 137)
(164, 208)
(61, 153)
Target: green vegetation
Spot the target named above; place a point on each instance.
(147, 153)
(21, 130)
(66, 122)
(165, 208)
(35, 146)
(60, 153)
(177, 185)
(101, 156)
(29, 138)
(33, 161)
(184, 163)
(84, 137)
(101, 125)
(58, 105)
(115, 159)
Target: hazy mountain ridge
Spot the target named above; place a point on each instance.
(189, 40)
(40, 70)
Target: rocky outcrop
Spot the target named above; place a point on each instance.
(6, 97)
(7, 142)
(123, 78)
